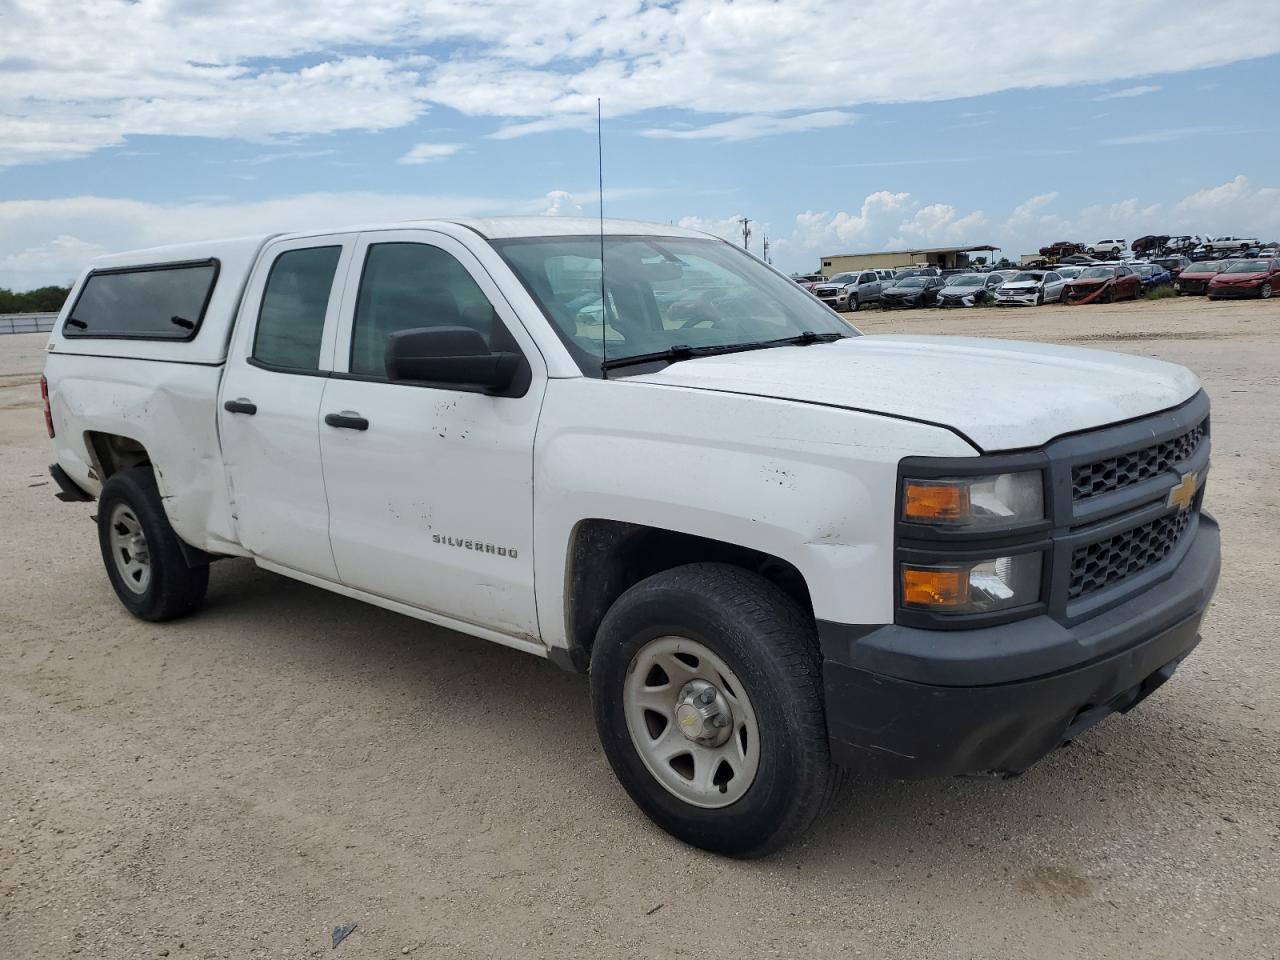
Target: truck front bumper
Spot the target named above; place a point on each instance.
(996, 700)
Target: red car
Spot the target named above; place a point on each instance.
(1195, 278)
(1246, 278)
(1102, 285)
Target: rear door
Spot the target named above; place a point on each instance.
(269, 405)
(430, 487)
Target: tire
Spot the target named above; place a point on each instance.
(1089, 250)
(769, 646)
(1265, 291)
(853, 305)
(141, 552)
(1040, 297)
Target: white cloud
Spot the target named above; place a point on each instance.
(753, 126)
(429, 152)
(285, 155)
(1159, 136)
(260, 70)
(1139, 91)
(560, 203)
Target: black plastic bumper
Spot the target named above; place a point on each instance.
(964, 714)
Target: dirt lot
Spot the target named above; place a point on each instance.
(237, 784)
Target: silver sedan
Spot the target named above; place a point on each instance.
(1032, 287)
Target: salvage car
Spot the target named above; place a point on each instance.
(1246, 278)
(1061, 248)
(779, 550)
(969, 289)
(1102, 284)
(1152, 275)
(912, 291)
(1174, 264)
(1195, 278)
(847, 292)
(1107, 249)
(1225, 245)
(1031, 288)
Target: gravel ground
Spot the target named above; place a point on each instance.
(239, 783)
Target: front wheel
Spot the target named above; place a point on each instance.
(706, 685)
(141, 552)
(1265, 291)
(854, 305)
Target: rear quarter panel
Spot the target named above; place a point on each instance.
(168, 408)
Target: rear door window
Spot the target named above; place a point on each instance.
(164, 302)
(294, 303)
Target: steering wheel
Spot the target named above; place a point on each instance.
(704, 311)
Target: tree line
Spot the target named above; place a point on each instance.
(42, 300)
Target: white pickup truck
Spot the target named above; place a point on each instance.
(782, 550)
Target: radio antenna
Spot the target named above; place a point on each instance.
(604, 300)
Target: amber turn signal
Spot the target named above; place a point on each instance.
(934, 588)
(932, 502)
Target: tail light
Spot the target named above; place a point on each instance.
(48, 414)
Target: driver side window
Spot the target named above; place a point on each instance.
(407, 286)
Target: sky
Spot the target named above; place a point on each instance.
(834, 126)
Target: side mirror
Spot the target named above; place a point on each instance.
(457, 355)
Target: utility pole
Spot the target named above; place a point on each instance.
(746, 232)
(765, 248)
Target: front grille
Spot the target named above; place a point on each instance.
(1115, 473)
(1098, 565)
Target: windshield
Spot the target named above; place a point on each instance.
(912, 282)
(844, 278)
(1070, 273)
(1037, 277)
(662, 292)
(966, 280)
(1212, 266)
(1097, 273)
(1248, 266)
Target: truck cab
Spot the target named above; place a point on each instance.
(780, 550)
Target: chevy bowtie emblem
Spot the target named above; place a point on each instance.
(1182, 495)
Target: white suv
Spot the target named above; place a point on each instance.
(1114, 249)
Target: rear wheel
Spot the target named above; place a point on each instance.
(141, 552)
(706, 686)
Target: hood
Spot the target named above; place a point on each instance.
(1023, 286)
(1229, 278)
(903, 292)
(958, 291)
(1001, 394)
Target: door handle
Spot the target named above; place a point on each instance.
(243, 405)
(346, 420)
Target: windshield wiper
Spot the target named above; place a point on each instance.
(73, 322)
(682, 351)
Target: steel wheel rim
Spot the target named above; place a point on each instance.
(129, 548)
(699, 772)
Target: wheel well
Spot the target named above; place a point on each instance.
(607, 557)
(110, 452)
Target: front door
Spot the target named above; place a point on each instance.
(430, 487)
(270, 403)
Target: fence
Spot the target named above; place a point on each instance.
(27, 322)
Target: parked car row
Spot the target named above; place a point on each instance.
(1087, 282)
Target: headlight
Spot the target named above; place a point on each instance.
(984, 586)
(975, 503)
